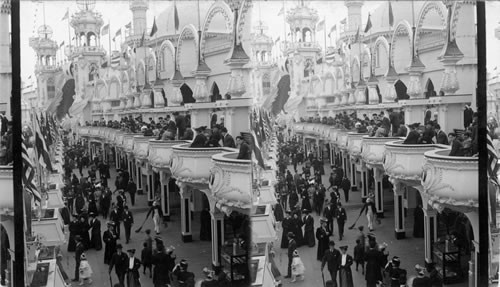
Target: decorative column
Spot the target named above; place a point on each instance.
(130, 101)
(217, 235)
(158, 88)
(165, 194)
(150, 185)
(146, 95)
(390, 79)
(372, 90)
(415, 71)
(430, 231)
(364, 182)
(186, 228)
(176, 82)
(360, 92)
(473, 266)
(139, 178)
(200, 92)
(378, 176)
(353, 175)
(399, 218)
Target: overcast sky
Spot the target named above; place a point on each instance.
(119, 14)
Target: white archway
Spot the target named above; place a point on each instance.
(189, 31)
(219, 7)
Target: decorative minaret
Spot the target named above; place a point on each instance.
(45, 67)
(262, 64)
(88, 55)
(5, 57)
(353, 15)
(303, 52)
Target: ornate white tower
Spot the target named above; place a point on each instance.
(87, 56)
(303, 52)
(353, 15)
(5, 57)
(262, 46)
(45, 67)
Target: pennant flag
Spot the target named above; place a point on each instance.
(41, 147)
(368, 24)
(334, 28)
(142, 39)
(321, 25)
(105, 30)
(343, 22)
(66, 16)
(118, 33)
(29, 173)
(62, 44)
(391, 16)
(281, 11)
(105, 64)
(356, 38)
(154, 29)
(176, 18)
(277, 39)
(129, 25)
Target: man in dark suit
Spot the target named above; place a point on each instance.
(341, 219)
(394, 118)
(180, 122)
(227, 139)
(292, 245)
(128, 221)
(132, 189)
(329, 213)
(120, 262)
(441, 137)
(116, 217)
(245, 152)
(456, 145)
(331, 257)
(78, 253)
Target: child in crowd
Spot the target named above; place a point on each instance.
(298, 268)
(85, 270)
(146, 256)
(359, 251)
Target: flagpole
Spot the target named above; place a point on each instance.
(69, 29)
(109, 40)
(360, 56)
(324, 37)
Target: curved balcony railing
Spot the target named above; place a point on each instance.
(404, 161)
(263, 224)
(7, 187)
(141, 147)
(231, 180)
(128, 142)
(160, 152)
(373, 148)
(354, 142)
(193, 165)
(342, 139)
(119, 136)
(450, 181)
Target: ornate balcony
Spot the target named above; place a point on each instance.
(128, 142)
(404, 161)
(160, 153)
(7, 187)
(450, 181)
(141, 147)
(49, 227)
(354, 142)
(231, 180)
(373, 148)
(193, 165)
(342, 139)
(263, 224)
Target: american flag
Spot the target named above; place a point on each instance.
(29, 174)
(41, 147)
(492, 160)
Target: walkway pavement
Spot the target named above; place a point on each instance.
(197, 253)
(410, 250)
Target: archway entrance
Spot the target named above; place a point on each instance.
(215, 93)
(401, 91)
(429, 89)
(187, 94)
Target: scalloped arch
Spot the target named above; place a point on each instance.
(382, 41)
(188, 28)
(402, 26)
(219, 7)
(428, 7)
(454, 18)
(246, 6)
(112, 80)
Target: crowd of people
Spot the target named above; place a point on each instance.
(89, 198)
(304, 192)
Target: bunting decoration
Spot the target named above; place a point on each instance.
(29, 173)
(41, 146)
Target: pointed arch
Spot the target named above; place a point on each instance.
(187, 94)
(403, 28)
(382, 41)
(125, 82)
(429, 6)
(429, 89)
(167, 52)
(355, 66)
(189, 31)
(329, 84)
(401, 90)
(114, 88)
(219, 7)
(140, 70)
(215, 92)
